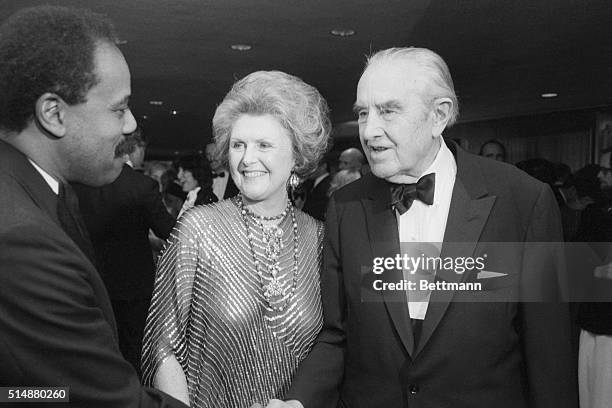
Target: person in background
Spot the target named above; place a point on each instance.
(342, 178)
(223, 185)
(351, 159)
(64, 112)
(237, 305)
(605, 156)
(195, 177)
(135, 159)
(165, 175)
(316, 187)
(118, 217)
(493, 149)
(595, 314)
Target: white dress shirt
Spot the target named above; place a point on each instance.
(189, 202)
(53, 183)
(424, 223)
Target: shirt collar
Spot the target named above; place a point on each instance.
(193, 194)
(53, 183)
(445, 168)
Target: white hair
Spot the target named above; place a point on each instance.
(433, 66)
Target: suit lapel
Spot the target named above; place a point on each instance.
(384, 242)
(469, 210)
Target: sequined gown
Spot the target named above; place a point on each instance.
(208, 308)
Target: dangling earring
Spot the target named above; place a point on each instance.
(294, 181)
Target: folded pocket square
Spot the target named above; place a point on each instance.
(489, 274)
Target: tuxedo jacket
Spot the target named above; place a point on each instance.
(56, 322)
(476, 349)
(118, 217)
(205, 196)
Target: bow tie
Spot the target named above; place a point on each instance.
(403, 195)
(222, 174)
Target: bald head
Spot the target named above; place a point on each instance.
(351, 159)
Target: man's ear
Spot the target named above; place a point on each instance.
(441, 115)
(50, 114)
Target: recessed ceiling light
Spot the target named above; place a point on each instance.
(156, 103)
(121, 42)
(549, 95)
(241, 47)
(145, 117)
(342, 32)
(174, 112)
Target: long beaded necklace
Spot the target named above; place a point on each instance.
(274, 291)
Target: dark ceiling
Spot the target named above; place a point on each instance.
(503, 54)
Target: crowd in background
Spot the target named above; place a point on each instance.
(578, 193)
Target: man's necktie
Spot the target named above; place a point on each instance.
(70, 219)
(403, 195)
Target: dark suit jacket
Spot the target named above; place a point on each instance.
(478, 349)
(56, 322)
(230, 189)
(205, 196)
(316, 199)
(118, 217)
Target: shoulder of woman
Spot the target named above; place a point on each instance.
(307, 222)
(198, 219)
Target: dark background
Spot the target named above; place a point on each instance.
(503, 55)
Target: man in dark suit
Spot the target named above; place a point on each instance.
(63, 112)
(316, 188)
(438, 348)
(223, 184)
(118, 217)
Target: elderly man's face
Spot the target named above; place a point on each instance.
(395, 126)
(95, 127)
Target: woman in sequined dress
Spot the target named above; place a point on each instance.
(236, 305)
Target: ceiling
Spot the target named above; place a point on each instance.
(503, 54)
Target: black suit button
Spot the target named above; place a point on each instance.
(413, 388)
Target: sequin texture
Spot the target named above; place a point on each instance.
(208, 308)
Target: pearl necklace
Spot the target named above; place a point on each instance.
(263, 218)
(274, 292)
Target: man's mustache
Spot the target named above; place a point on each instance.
(126, 146)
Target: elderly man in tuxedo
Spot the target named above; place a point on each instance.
(64, 110)
(445, 348)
